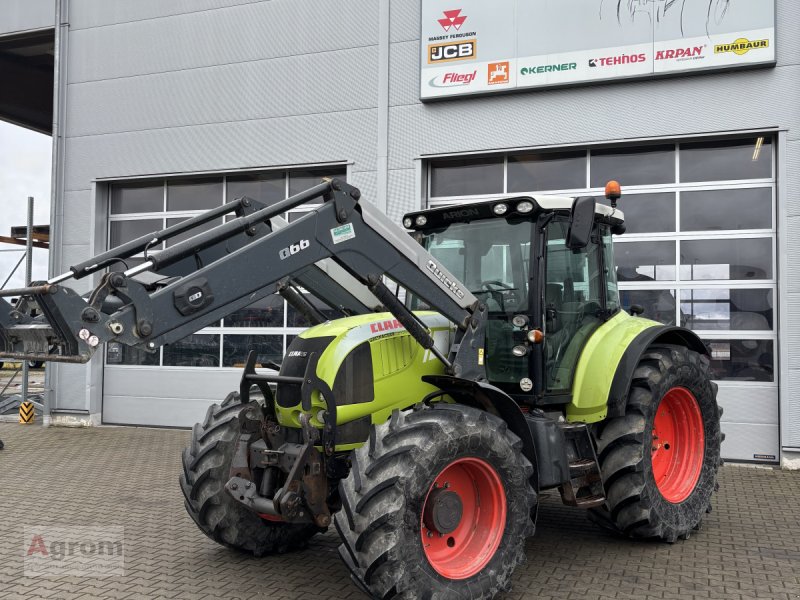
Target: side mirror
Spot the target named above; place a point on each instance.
(581, 222)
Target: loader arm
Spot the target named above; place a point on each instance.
(342, 238)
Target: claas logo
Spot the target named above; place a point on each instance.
(438, 53)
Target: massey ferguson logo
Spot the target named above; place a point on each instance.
(438, 53)
(452, 18)
(622, 59)
(293, 249)
(680, 53)
(449, 283)
(382, 326)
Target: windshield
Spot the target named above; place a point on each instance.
(490, 257)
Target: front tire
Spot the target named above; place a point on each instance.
(659, 461)
(437, 505)
(206, 469)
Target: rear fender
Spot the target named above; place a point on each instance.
(678, 336)
(484, 396)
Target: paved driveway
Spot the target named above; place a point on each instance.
(748, 548)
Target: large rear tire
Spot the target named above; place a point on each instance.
(206, 469)
(659, 461)
(437, 505)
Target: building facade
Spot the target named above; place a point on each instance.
(164, 109)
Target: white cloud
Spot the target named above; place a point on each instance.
(25, 159)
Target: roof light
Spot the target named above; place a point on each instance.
(407, 222)
(525, 206)
(519, 351)
(519, 321)
(421, 220)
(500, 209)
(613, 192)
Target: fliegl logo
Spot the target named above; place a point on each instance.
(741, 46)
(449, 283)
(453, 79)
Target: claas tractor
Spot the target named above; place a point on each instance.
(480, 357)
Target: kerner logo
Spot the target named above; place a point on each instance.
(548, 68)
(293, 249)
(622, 59)
(449, 283)
(454, 79)
(678, 53)
(741, 46)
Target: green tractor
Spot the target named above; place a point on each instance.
(433, 475)
(426, 433)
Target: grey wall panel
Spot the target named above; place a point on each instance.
(77, 223)
(791, 178)
(673, 107)
(404, 20)
(791, 322)
(244, 33)
(743, 441)
(404, 73)
(97, 13)
(367, 182)
(790, 420)
(208, 384)
(237, 92)
(787, 22)
(748, 404)
(240, 145)
(792, 232)
(72, 392)
(22, 15)
(402, 194)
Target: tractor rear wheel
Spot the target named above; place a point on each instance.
(206, 470)
(659, 461)
(437, 505)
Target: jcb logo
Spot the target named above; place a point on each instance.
(293, 249)
(438, 53)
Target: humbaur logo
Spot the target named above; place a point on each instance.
(741, 46)
(548, 68)
(454, 79)
(449, 283)
(293, 249)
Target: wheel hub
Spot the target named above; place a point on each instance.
(443, 511)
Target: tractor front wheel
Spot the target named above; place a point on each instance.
(206, 470)
(437, 505)
(659, 461)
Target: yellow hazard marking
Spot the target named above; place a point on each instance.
(26, 412)
(480, 356)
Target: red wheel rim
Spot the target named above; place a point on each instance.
(467, 549)
(678, 444)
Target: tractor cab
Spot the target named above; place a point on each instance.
(544, 268)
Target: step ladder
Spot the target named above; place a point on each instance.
(585, 487)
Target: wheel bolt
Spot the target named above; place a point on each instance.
(446, 485)
(430, 534)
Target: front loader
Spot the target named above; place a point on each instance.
(423, 425)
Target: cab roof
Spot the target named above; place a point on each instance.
(493, 209)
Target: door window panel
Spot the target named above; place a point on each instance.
(196, 350)
(189, 234)
(300, 181)
(658, 305)
(711, 210)
(742, 360)
(137, 198)
(647, 213)
(745, 259)
(646, 165)
(546, 171)
(727, 309)
(267, 188)
(467, 177)
(645, 261)
(267, 312)
(749, 158)
(235, 349)
(194, 194)
(125, 231)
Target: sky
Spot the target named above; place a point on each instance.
(25, 159)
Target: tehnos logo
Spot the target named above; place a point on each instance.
(622, 59)
(452, 19)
